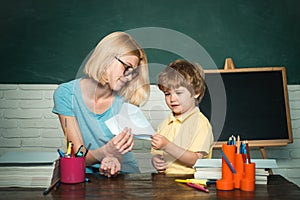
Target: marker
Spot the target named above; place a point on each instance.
(243, 148)
(79, 152)
(229, 141)
(61, 154)
(87, 149)
(69, 149)
(199, 187)
(228, 162)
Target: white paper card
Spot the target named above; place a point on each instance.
(132, 117)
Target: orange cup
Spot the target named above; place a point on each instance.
(239, 168)
(248, 181)
(227, 181)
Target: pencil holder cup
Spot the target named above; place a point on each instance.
(227, 181)
(72, 170)
(239, 168)
(248, 181)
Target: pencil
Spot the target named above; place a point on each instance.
(51, 187)
(238, 145)
(199, 187)
(198, 181)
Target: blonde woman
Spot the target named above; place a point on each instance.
(116, 72)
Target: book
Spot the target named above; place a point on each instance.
(215, 162)
(27, 169)
(212, 169)
(261, 175)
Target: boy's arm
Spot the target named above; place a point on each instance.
(183, 155)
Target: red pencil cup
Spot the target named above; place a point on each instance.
(72, 170)
(248, 181)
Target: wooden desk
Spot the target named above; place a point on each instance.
(152, 186)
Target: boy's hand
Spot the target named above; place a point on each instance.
(159, 163)
(159, 142)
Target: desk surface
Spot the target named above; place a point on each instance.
(152, 186)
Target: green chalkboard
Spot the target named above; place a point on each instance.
(47, 41)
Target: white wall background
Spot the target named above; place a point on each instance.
(27, 124)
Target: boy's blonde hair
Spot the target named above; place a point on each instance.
(114, 45)
(183, 73)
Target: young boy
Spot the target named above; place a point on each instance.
(186, 135)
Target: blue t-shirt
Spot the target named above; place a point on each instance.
(68, 101)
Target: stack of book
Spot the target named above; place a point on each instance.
(27, 169)
(212, 169)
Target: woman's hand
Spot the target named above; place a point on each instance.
(159, 163)
(123, 142)
(110, 166)
(120, 144)
(159, 142)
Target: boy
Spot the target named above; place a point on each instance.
(186, 135)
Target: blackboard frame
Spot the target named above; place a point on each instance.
(288, 138)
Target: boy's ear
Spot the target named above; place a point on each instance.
(196, 95)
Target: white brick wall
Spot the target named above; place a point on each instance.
(26, 121)
(27, 124)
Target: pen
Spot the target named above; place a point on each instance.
(198, 181)
(87, 149)
(228, 162)
(51, 187)
(199, 187)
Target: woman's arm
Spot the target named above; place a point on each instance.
(72, 133)
(116, 147)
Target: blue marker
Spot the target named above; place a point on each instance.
(61, 154)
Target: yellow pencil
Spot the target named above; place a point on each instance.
(198, 181)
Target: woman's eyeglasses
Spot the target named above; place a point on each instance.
(129, 70)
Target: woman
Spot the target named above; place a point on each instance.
(116, 71)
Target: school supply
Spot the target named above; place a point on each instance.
(236, 169)
(27, 169)
(198, 184)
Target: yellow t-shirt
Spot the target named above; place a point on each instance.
(192, 131)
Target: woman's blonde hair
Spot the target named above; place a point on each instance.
(183, 73)
(114, 45)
